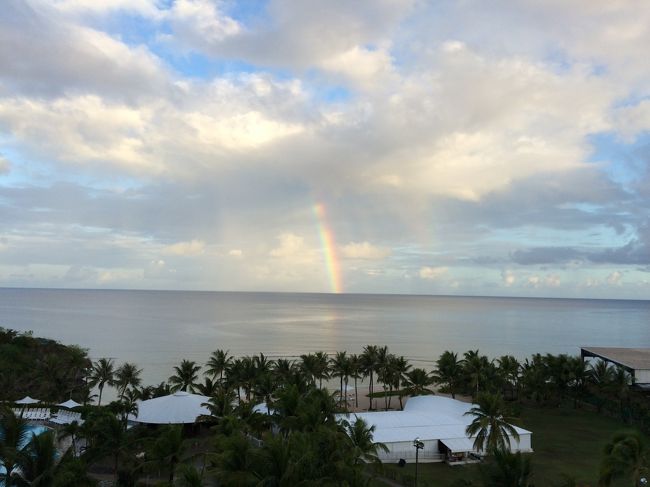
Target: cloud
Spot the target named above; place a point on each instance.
(290, 246)
(190, 248)
(548, 281)
(5, 166)
(364, 250)
(546, 255)
(478, 137)
(508, 277)
(432, 273)
(66, 57)
(615, 278)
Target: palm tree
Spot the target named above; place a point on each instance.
(248, 375)
(190, 476)
(368, 361)
(322, 370)
(400, 367)
(72, 430)
(620, 388)
(509, 368)
(37, 461)
(507, 469)
(169, 449)
(76, 362)
(626, 456)
(235, 464)
(418, 382)
(361, 438)
(276, 463)
(340, 368)
(218, 364)
(309, 365)
(535, 377)
(475, 366)
(14, 434)
(127, 375)
(283, 369)
(601, 378)
(111, 438)
(185, 377)
(264, 387)
(101, 375)
(384, 372)
(559, 368)
(207, 388)
(490, 425)
(449, 372)
(356, 374)
(580, 374)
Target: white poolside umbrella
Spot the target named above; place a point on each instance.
(178, 408)
(70, 404)
(27, 400)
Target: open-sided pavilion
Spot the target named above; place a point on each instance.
(635, 360)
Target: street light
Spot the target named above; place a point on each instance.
(419, 445)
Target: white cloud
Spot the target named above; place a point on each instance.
(432, 273)
(190, 248)
(508, 277)
(200, 23)
(615, 278)
(364, 250)
(460, 131)
(291, 246)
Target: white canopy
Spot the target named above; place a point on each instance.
(27, 400)
(458, 445)
(69, 404)
(178, 408)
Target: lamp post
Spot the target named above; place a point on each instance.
(419, 445)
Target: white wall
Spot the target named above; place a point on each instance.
(431, 453)
(406, 450)
(642, 376)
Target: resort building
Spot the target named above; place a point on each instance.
(438, 422)
(635, 360)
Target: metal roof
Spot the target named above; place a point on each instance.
(426, 417)
(631, 358)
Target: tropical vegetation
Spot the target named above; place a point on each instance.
(296, 437)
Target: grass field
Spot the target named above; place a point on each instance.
(565, 441)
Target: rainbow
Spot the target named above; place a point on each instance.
(329, 249)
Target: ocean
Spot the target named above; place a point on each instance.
(157, 329)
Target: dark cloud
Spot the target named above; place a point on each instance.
(546, 255)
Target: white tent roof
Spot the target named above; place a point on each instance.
(27, 400)
(457, 445)
(69, 404)
(178, 408)
(426, 417)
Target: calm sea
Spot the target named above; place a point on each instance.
(156, 329)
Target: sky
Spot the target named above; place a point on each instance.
(376, 146)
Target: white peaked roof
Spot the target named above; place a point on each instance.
(424, 417)
(69, 404)
(27, 400)
(178, 408)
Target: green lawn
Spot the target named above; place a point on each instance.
(565, 441)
